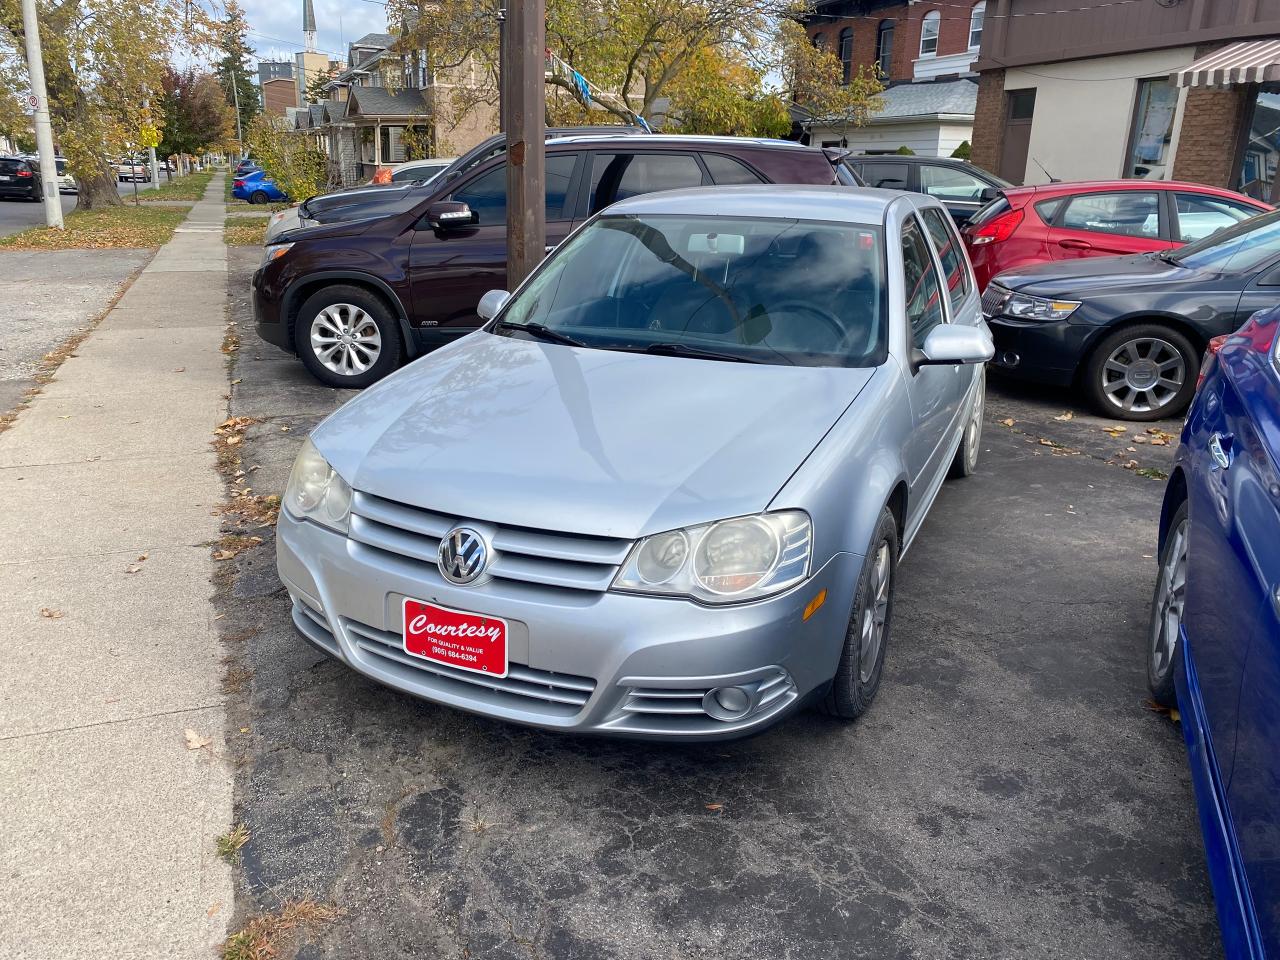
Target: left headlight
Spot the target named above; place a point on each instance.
(745, 558)
(316, 492)
(1025, 307)
(274, 251)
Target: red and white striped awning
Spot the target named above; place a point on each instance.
(1254, 61)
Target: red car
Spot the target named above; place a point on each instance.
(1066, 221)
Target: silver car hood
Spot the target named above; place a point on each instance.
(584, 441)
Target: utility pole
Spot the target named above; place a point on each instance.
(44, 130)
(235, 95)
(524, 99)
(502, 66)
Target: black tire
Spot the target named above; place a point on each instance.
(259, 197)
(1105, 386)
(966, 459)
(1164, 645)
(855, 684)
(375, 311)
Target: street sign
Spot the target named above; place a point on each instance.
(33, 102)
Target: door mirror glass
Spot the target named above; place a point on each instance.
(449, 215)
(491, 303)
(988, 194)
(950, 344)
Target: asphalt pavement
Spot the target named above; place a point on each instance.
(1009, 794)
(17, 215)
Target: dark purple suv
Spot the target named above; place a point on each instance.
(355, 299)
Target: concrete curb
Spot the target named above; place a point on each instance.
(113, 775)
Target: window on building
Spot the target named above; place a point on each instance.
(846, 53)
(975, 24)
(820, 41)
(929, 28)
(1152, 129)
(1258, 162)
(884, 47)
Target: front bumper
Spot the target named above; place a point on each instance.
(1045, 352)
(582, 661)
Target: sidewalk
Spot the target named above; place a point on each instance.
(107, 819)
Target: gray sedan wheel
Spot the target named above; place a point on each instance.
(861, 664)
(966, 459)
(347, 336)
(1167, 610)
(1142, 373)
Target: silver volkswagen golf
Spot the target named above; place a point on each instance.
(663, 493)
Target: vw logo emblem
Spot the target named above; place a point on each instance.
(463, 555)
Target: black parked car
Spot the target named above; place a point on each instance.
(19, 178)
(1130, 331)
(961, 187)
(355, 297)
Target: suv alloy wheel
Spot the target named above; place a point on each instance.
(347, 336)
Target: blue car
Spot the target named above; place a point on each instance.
(257, 187)
(1215, 625)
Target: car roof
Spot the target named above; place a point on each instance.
(677, 139)
(862, 205)
(1092, 186)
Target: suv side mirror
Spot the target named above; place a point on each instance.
(949, 343)
(449, 215)
(491, 303)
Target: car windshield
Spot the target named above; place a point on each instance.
(778, 291)
(1244, 246)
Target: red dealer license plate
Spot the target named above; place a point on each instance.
(455, 638)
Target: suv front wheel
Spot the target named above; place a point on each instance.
(347, 337)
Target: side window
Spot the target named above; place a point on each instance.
(1200, 215)
(1048, 209)
(726, 170)
(890, 176)
(486, 195)
(615, 177)
(946, 183)
(923, 291)
(948, 246)
(1133, 213)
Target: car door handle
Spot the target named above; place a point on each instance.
(1220, 450)
(1075, 244)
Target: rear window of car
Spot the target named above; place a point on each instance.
(616, 176)
(11, 166)
(890, 176)
(726, 170)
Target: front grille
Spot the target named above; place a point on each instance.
(521, 554)
(993, 300)
(523, 688)
(311, 623)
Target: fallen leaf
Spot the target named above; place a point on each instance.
(1067, 415)
(234, 439)
(1007, 421)
(1138, 439)
(234, 382)
(180, 370)
(284, 429)
(213, 909)
(65, 417)
(51, 613)
(714, 806)
(195, 741)
(1115, 431)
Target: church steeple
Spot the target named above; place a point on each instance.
(309, 26)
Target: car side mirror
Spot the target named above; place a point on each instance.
(491, 303)
(449, 215)
(988, 194)
(950, 343)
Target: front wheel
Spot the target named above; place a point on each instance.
(347, 337)
(857, 677)
(1142, 373)
(966, 459)
(1167, 609)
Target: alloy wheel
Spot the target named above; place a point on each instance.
(1171, 593)
(1143, 375)
(345, 339)
(973, 432)
(874, 615)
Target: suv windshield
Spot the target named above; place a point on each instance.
(778, 291)
(1244, 246)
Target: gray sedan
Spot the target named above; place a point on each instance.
(663, 493)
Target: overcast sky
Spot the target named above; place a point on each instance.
(276, 25)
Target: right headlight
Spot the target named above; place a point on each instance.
(1025, 307)
(315, 491)
(745, 558)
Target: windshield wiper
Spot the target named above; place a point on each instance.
(684, 350)
(541, 332)
(1168, 257)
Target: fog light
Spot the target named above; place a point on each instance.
(728, 703)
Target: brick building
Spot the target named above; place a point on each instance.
(279, 95)
(909, 43)
(1151, 90)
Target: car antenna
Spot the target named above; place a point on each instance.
(1052, 178)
